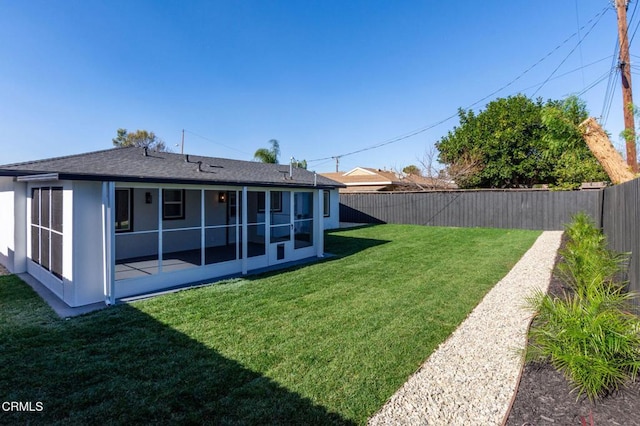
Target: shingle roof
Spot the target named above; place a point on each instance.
(377, 177)
(130, 164)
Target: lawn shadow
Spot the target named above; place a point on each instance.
(336, 247)
(122, 366)
(349, 214)
(344, 245)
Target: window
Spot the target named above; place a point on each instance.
(172, 204)
(326, 203)
(46, 228)
(124, 207)
(276, 201)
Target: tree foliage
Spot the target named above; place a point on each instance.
(518, 142)
(300, 164)
(139, 138)
(268, 155)
(412, 169)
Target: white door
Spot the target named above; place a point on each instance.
(281, 227)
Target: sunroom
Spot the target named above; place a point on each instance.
(169, 234)
(111, 224)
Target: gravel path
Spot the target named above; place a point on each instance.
(471, 378)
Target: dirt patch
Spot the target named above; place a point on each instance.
(544, 396)
(3, 271)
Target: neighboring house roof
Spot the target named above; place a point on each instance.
(364, 179)
(368, 179)
(133, 164)
(427, 183)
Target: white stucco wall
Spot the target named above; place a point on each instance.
(13, 224)
(86, 286)
(333, 220)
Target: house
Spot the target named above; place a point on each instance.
(365, 179)
(109, 224)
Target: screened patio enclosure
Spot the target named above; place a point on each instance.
(196, 232)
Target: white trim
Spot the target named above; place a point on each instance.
(203, 231)
(319, 224)
(160, 219)
(369, 172)
(108, 235)
(386, 182)
(245, 231)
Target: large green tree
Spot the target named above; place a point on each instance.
(518, 142)
(139, 138)
(268, 155)
(566, 149)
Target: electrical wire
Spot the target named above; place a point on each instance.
(568, 72)
(613, 80)
(216, 142)
(630, 22)
(408, 135)
(579, 37)
(594, 84)
(571, 52)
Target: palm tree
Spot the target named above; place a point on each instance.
(265, 155)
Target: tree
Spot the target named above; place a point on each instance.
(412, 170)
(566, 147)
(266, 155)
(139, 138)
(518, 142)
(300, 164)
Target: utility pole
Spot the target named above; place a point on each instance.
(337, 158)
(182, 143)
(625, 72)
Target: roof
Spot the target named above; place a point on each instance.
(364, 176)
(133, 164)
(365, 179)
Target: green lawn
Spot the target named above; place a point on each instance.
(324, 343)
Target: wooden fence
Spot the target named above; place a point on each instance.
(616, 210)
(620, 220)
(545, 210)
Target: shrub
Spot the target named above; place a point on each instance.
(588, 335)
(586, 261)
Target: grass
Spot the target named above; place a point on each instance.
(326, 343)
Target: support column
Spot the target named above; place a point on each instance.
(108, 243)
(319, 223)
(245, 232)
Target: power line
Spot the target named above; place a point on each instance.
(571, 52)
(568, 72)
(630, 21)
(216, 142)
(597, 16)
(579, 37)
(594, 84)
(611, 84)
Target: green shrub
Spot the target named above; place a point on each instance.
(594, 343)
(586, 260)
(588, 335)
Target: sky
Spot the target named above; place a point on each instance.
(326, 78)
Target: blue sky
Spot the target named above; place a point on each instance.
(325, 78)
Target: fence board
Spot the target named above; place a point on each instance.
(616, 210)
(620, 214)
(542, 210)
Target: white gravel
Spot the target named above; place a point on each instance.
(471, 377)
